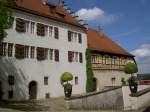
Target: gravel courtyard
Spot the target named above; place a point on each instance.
(51, 105)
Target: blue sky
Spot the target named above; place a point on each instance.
(127, 22)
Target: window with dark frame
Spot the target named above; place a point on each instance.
(45, 80)
(80, 38)
(20, 25)
(3, 46)
(40, 29)
(10, 49)
(32, 27)
(11, 80)
(19, 51)
(80, 57)
(32, 50)
(56, 33)
(47, 95)
(26, 51)
(56, 55)
(51, 54)
(76, 80)
(10, 94)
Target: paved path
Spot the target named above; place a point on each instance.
(52, 105)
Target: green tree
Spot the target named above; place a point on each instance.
(130, 68)
(89, 82)
(6, 19)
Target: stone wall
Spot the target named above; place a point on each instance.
(136, 101)
(108, 99)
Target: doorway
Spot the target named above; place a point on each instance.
(33, 90)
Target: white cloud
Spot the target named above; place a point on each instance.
(97, 15)
(143, 58)
(143, 51)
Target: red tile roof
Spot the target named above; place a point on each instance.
(38, 8)
(100, 42)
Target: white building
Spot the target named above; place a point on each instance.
(44, 42)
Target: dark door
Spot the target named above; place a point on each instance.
(33, 90)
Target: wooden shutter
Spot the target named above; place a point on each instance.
(56, 55)
(20, 25)
(80, 38)
(69, 36)
(19, 51)
(70, 56)
(81, 57)
(40, 29)
(40, 54)
(56, 33)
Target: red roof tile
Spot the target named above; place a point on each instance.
(36, 6)
(100, 42)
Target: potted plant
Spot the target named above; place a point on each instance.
(131, 68)
(65, 78)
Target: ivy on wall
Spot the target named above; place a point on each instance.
(90, 85)
(5, 19)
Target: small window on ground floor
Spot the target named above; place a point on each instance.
(45, 80)
(47, 95)
(76, 80)
(10, 94)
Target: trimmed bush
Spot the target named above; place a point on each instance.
(130, 68)
(66, 77)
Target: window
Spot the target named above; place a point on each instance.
(106, 60)
(27, 26)
(26, 52)
(56, 33)
(69, 36)
(32, 52)
(19, 51)
(50, 31)
(3, 49)
(113, 60)
(80, 57)
(11, 80)
(20, 25)
(57, 55)
(46, 30)
(10, 94)
(47, 95)
(70, 56)
(51, 54)
(40, 29)
(32, 27)
(76, 80)
(76, 56)
(10, 49)
(80, 38)
(46, 80)
(75, 37)
(46, 53)
(40, 53)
